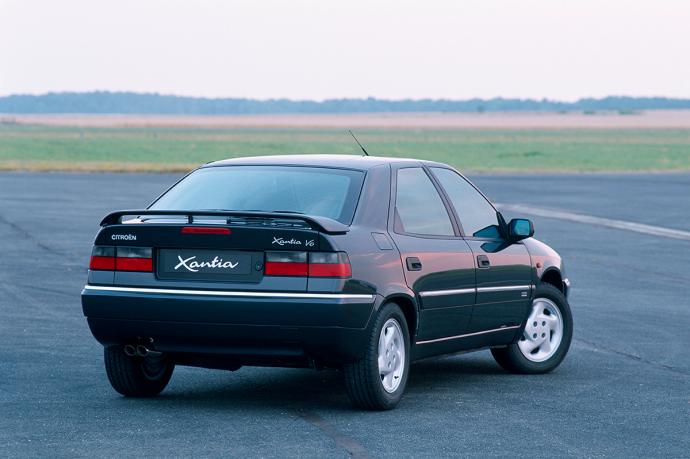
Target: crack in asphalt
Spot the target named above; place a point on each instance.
(70, 293)
(30, 237)
(597, 347)
(347, 443)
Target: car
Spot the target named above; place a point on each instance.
(360, 264)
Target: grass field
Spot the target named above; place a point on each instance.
(33, 147)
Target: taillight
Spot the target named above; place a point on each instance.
(315, 264)
(329, 264)
(286, 264)
(102, 258)
(107, 258)
(134, 259)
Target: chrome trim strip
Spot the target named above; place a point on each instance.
(506, 288)
(328, 296)
(460, 291)
(447, 338)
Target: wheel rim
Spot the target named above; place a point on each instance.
(391, 355)
(543, 331)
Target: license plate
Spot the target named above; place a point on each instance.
(217, 265)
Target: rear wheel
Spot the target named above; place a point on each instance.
(136, 376)
(377, 381)
(546, 338)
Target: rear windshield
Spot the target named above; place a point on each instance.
(317, 191)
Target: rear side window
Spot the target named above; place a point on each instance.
(418, 206)
(477, 216)
(316, 191)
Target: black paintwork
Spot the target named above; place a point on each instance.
(207, 331)
(324, 224)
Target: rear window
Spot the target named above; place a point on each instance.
(317, 191)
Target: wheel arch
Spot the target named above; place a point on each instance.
(408, 305)
(554, 277)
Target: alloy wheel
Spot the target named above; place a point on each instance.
(391, 361)
(543, 331)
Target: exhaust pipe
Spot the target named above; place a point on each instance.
(130, 351)
(143, 351)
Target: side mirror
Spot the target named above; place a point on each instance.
(519, 229)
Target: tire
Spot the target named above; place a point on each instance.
(517, 358)
(366, 386)
(135, 377)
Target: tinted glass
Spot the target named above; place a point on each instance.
(477, 216)
(418, 206)
(315, 191)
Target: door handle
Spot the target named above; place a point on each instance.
(483, 262)
(413, 264)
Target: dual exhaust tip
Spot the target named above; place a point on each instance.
(140, 350)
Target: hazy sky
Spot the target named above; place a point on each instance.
(355, 48)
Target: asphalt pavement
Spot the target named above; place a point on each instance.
(623, 390)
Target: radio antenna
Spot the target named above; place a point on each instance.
(360, 145)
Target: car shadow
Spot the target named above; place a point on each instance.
(303, 389)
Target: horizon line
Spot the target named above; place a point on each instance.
(362, 98)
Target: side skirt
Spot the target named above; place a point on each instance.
(464, 343)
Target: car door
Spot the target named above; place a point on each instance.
(503, 270)
(438, 264)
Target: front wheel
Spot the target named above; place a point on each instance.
(377, 381)
(136, 376)
(546, 338)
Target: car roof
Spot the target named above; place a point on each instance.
(338, 161)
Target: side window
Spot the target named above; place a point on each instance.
(418, 206)
(477, 216)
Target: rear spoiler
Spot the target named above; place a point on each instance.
(323, 224)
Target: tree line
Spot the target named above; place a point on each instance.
(105, 102)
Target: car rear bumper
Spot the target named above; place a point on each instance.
(270, 328)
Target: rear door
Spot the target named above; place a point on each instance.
(438, 264)
(503, 271)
